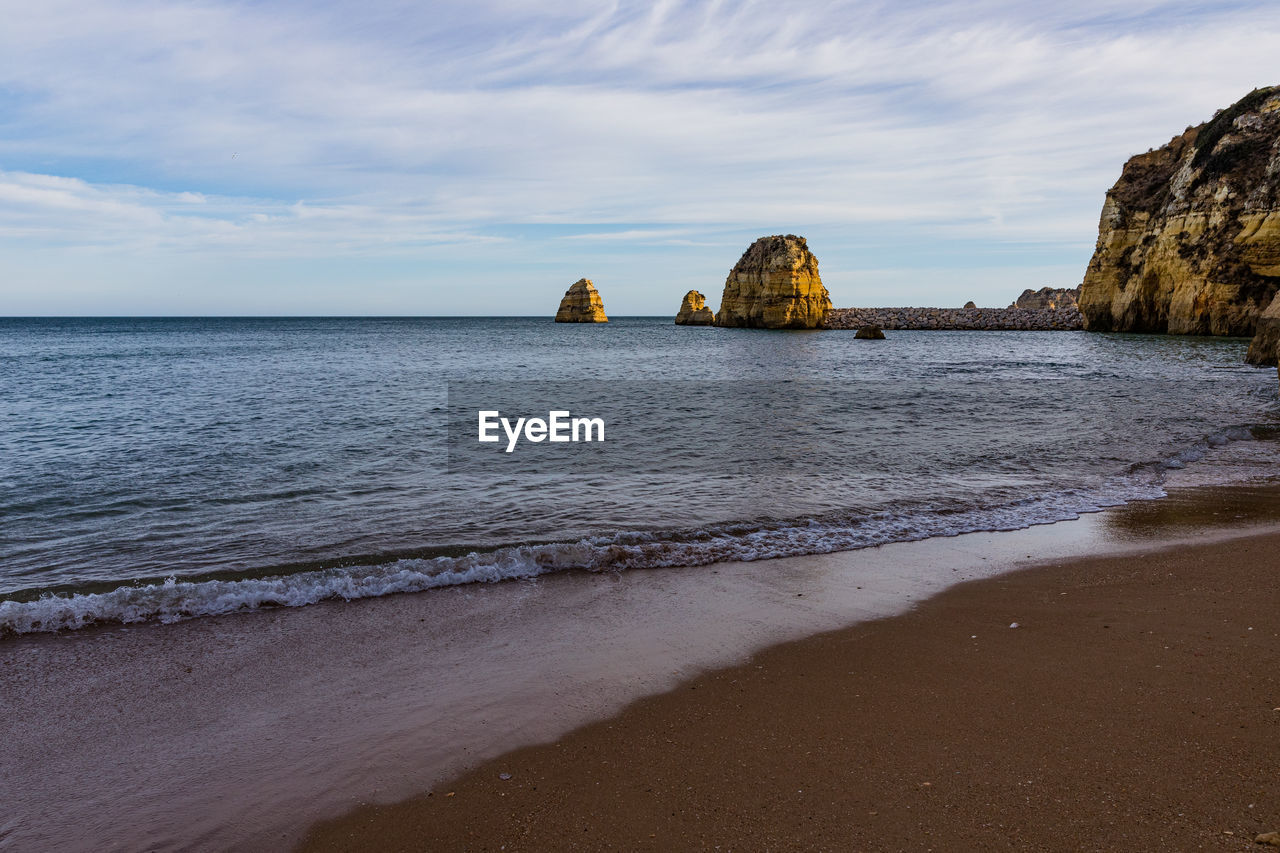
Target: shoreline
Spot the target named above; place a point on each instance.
(1133, 706)
(243, 731)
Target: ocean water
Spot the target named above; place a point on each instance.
(162, 469)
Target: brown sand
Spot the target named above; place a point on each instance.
(1136, 707)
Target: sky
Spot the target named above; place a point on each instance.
(390, 157)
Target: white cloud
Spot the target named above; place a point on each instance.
(72, 212)
(273, 129)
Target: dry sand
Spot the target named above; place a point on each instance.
(1135, 707)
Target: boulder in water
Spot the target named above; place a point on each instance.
(1263, 348)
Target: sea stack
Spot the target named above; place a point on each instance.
(694, 311)
(775, 285)
(1189, 239)
(581, 304)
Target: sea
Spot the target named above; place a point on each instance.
(163, 469)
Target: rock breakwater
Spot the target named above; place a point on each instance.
(957, 319)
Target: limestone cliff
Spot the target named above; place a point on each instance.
(694, 311)
(581, 304)
(1047, 299)
(1189, 238)
(775, 285)
(1265, 347)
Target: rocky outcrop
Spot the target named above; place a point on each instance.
(1047, 299)
(1189, 238)
(870, 333)
(581, 304)
(694, 311)
(775, 285)
(971, 304)
(1264, 349)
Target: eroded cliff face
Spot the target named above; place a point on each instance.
(581, 304)
(694, 311)
(775, 285)
(1048, 299)
(1189, 239)
(1264, 349)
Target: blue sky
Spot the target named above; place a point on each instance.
(478, 157)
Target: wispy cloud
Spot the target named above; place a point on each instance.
(393, 127)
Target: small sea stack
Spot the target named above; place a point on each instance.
(581, 304)
(775, 285)
(869, 333)
(694, 311)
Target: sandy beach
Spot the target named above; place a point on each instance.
(873, 674)
(1136, 705)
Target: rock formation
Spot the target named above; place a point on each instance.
(694, 311)
(970, 304)
(1264, 349)
(581, 304)
(1189, 238)
(1047, 299)
(775, 285)
(870, 333)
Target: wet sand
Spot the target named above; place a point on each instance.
(241, 732)
(1135, 706)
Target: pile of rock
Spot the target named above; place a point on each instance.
(958, 319)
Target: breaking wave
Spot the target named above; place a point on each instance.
(175, 599)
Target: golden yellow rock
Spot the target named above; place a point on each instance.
(775, 285)
(1048, 299)
(694, 311)
(1189, 238)
(581, 304)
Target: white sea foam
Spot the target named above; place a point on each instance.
(176, 599)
